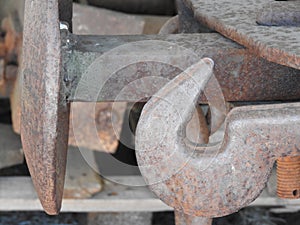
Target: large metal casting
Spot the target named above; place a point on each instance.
(59, 68)
(218, 180)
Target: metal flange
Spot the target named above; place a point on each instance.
(45, 112)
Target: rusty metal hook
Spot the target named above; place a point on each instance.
(231, 174)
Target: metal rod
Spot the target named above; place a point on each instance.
(133, 68)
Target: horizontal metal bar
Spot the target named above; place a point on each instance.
(133, 68)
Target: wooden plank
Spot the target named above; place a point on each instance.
(17, 194)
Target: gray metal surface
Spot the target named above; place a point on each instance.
(279, 14)
(99, 67)
(237, 21)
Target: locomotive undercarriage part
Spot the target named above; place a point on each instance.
(257, 39)
(59, 68)
(211, 181)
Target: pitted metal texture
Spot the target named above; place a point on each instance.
(217, 180)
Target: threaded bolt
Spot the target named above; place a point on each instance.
(288, 177)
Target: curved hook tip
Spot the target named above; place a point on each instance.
(209, 61)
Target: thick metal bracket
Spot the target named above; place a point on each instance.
(217, 180)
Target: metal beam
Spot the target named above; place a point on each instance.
(133, 68)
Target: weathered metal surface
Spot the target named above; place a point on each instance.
(217, 180)
(10, 147)
(197, 132)
(288, 177)
(85, 116)
(45, 113)
(280, 14)
(182, 219)
(86, 120)
(242, 75)
(237, 21)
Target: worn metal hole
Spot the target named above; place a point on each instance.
(296, 193)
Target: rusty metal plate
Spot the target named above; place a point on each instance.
(237, 21)
(217, 180)
(45, 114)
